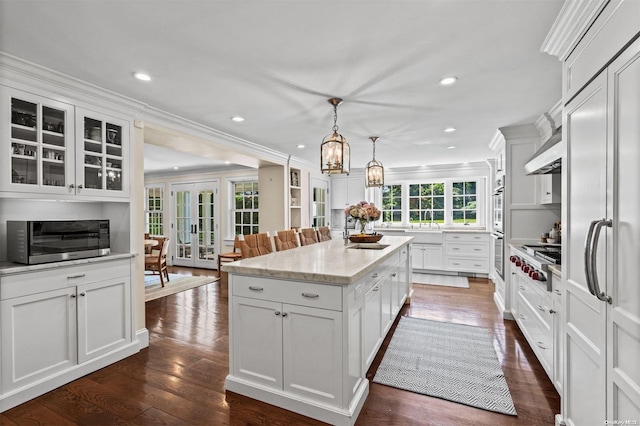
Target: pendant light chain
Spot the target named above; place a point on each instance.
(335, 118)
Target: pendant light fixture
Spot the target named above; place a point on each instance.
(374, 172)
(335, 154)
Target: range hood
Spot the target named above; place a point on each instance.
(548, 159)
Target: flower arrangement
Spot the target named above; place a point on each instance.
(364, 212)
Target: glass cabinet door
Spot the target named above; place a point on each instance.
(102, 155)
(39, 145)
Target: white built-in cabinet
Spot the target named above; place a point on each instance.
(55, 148)
(346, 190)
(550, 188)
(56, 321)
(467, 252)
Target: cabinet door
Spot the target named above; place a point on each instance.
(38, 139)
(312, 358)
(585, 316)
(433, 257)
(104, 317)
(386, 288)
(38, 337)
(102, 155)
(550, 189)
(417, 256)
(372, 323)
(257, 341)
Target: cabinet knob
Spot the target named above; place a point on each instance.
(277, 313)
(394, 275)
(83, 294)
(80, 187)
(548, 193)
(71, 186)
(73, 296)
(551, 311)
(284, 314)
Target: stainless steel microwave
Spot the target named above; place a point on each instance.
(43, 241)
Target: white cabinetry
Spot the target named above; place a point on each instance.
(550, 188)
(602, 310)
(558, 330)
(59, 319)
(346, 191)
(467, 252)
(55, 148)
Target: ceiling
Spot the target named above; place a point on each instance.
(276, 63)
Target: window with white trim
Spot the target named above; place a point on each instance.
(245, 212)
(154, 210)
(464, 202)
(392, 204)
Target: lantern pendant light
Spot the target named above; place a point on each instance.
(374, 172)
(335, 154)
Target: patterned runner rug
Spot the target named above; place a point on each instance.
(449, 361)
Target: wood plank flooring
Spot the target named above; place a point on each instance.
(179, 379)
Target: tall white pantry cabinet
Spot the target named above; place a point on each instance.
(601, 211)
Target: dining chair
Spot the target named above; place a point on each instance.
(157, 263)
(230, 256)
(253, 245)
(285, 240)
(324, 233)
(308, 236)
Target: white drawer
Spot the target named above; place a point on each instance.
(540, 338)
(324, 296)
(466, 237)
(468, 265)
(468, 249)
(55, 278)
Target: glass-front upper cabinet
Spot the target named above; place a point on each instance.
(102, 145)
(37, 143)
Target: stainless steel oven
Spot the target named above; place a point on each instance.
(42, 241)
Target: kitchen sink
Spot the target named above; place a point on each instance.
(368, 246)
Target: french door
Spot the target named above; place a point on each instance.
(194, 230)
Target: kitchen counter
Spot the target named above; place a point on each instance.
(328, 262)
(9, 268)
(423, 229)
(556, 270)
(306, 324)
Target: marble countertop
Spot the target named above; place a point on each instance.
(445, 230)
(556, 270)
(329, 262)
(7, 268)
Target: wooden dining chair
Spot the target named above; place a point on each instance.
(308, 236)
(285, 240)
(230, 256)
(324, 234)
(157, 263)
(255, 245)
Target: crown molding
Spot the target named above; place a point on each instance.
(572, 22)
(497, 142)
(24, 75)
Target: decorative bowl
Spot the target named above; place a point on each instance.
(365, 238)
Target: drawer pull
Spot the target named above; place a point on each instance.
(522, 288)
(374, 275)
(541, 308)
(254, 288)
(541, 345)
(476, 265)
(376, 288)
(455, 263)
(75, 276)
(477, 249)
(522, 317)
(310, 295)
(455, 248)
(558, 292)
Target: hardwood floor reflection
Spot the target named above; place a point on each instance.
(179, 379)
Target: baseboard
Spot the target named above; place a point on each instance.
(142, 336)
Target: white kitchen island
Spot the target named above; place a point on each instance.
(305, 324)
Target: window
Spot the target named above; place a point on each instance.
(426, 202)
(392, 203)
(319, 207)
(445, 202)
(245, 213)
(464, 202)
(154, 210)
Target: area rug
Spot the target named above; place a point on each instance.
(176, 284)
(448, 361)
(444, 280)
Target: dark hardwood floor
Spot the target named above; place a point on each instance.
(179, 379)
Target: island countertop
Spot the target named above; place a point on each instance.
(328, 262)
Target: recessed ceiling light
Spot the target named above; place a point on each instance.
(175, 167)
(237, 119)
(448, 81)
(450, 129)
(142, 76)
(451, 147)
(300, 146)
(227, 162)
